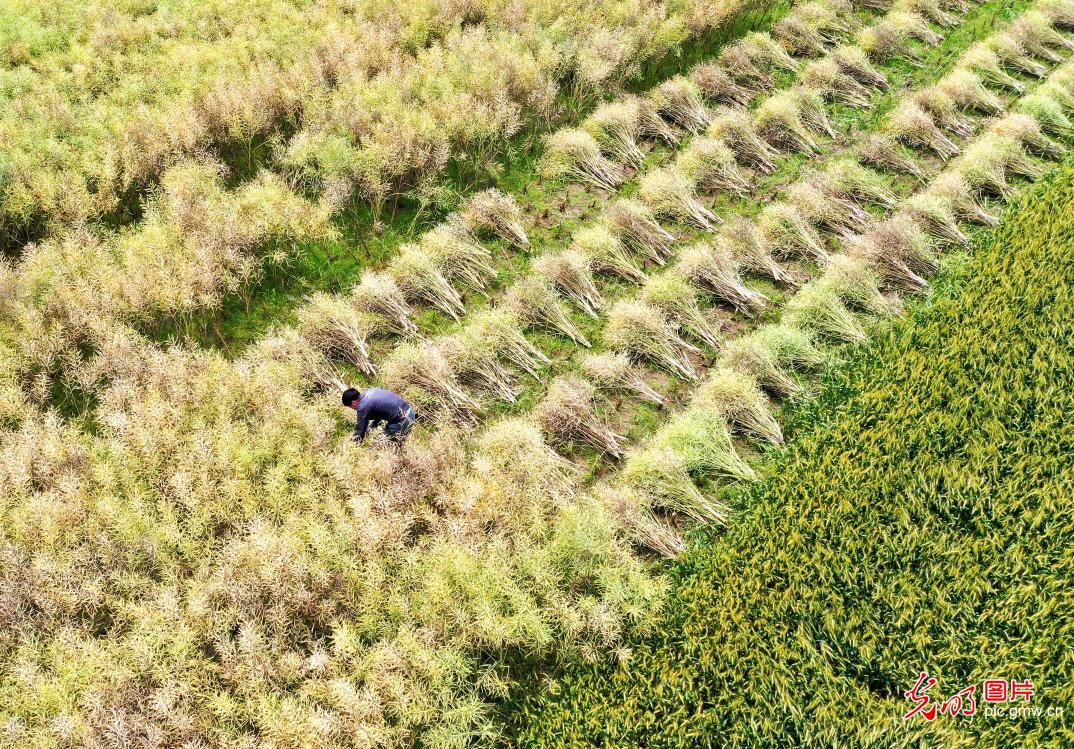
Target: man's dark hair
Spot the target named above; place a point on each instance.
(350, 395)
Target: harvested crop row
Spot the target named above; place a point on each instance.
(606, 248)
(807, 600)
(596, 250)
(822, 308)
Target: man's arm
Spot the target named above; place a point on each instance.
(362, 425)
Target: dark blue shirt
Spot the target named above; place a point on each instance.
(377, 405)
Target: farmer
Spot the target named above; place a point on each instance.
(376, 405)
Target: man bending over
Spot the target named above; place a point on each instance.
(375, 406)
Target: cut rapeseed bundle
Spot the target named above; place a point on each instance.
(1059, 90)
(936, 213)
(476, 365)
(717, 85)
(899, 250)
(677, 300)
(798, 36)
(984, 61)
(738, 60)
(1047, 111)
(1025, 129)
(652, 124)
(667, 194)
(572, 153)
(659, 475)
(890, 37)
(378, 294)
(337, 329)
(701, 438)
(914, 126)
(496, 213)
(786, 120)
(743, 241)
(791, 347)
(571, 272)
(968, 90)
(765, 51)
(985, 165)
(849, 180)
(617, 128)
(825, 210)
(614, 371)
(747, 354)
(952, 186)
(769, 354)
(501, 330)
(787, 233)
(961, 6)
(640, 331)
(680, 101)
(813, 27)
(914, 26)
(458, 256)
(1059, 12)
(1012, 52)
(568, 414)
(835, 84)
(606, 253)
(709, 164)
(816, 307)
(853, 61)
(1060, 85)
(1037, 35)
(945, 112)
(1014, 154)
(420, 279)
(852, 281)
(884, 151)
(638, 229)
(535, 303)
(930, 9)
(424, 377)
(735, 128)
(633, 514)
(713, 268)
(814, 113)
(737, 397)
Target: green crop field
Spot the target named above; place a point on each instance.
(636, 263)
